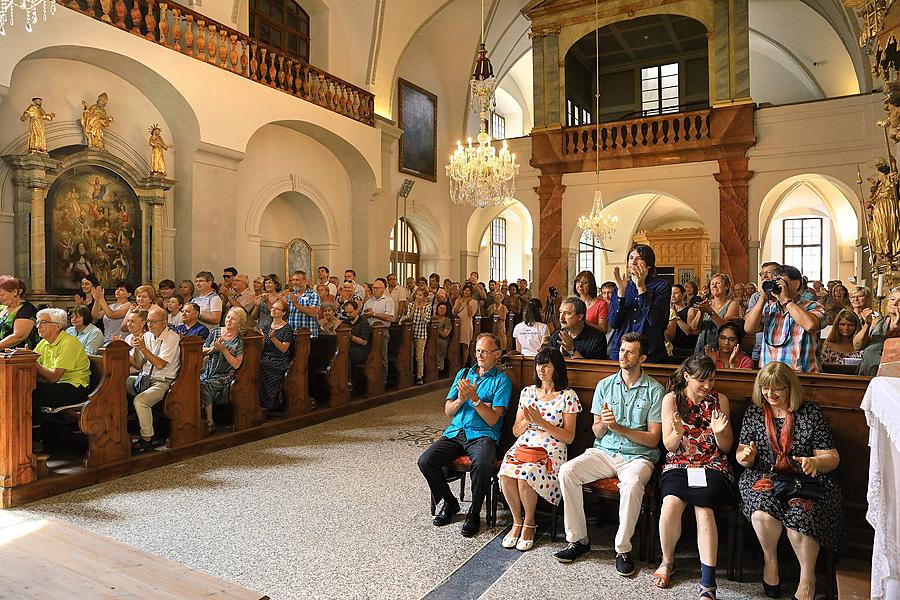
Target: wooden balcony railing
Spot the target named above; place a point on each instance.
(183, 30)
(658, 133)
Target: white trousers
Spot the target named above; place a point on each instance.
(596, 464)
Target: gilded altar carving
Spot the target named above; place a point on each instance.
(881, 213)
(36, 115)
(157, 148)
(95, 121)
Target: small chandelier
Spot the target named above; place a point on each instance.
(481, 175)
(602, 226)
(29, 7)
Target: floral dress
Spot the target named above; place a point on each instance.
(217, 372)
(825, 521)
(273, 365)
(831, 356)
(542, 476)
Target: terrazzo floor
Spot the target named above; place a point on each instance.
(340, 510)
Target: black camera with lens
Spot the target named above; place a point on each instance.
(771, 287)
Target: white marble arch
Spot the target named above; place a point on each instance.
(289, 182)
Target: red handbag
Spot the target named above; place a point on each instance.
(530, 454)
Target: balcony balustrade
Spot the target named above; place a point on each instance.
(654, 134)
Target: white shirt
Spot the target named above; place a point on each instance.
(209, 303)
(380, 306)
(165, 347)
(531, 337)
(398, 294)
(332, 289)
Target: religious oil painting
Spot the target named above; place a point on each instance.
(418, 120)
(298, 257)
(93, 227)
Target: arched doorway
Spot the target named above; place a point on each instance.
(404, 247)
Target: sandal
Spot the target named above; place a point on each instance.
(662, 581)
(525, 545)
(510, 540)
(210, 428)
(707, 593)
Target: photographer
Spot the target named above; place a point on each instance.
(789, 322)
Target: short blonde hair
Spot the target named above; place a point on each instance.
(865, 291)
(778, 375)
(240, 314)
(145, 288)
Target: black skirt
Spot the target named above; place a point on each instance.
(719, 490)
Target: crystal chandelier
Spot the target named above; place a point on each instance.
(602, 226)
(481, 175)
(29, 7)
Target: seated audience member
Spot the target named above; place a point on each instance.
(545, 425)
(83, 329)
(574, 338)
(166, 291)
(839, 344)
(329, 322)
(692, 292)
(133, 325)
(208, 300)
(112, 315)
(303, 305)
(419, 313)
(836, 301)
(861, 301)
(496, 307)
(144, 297)
(728, 353)
(17, 317)
(224, 352)
(640, 304)
(190, 324)
(276, 358)
(476, 403)
(784, 436)
(271, 292)
(325, 297)
(173, 308)
(531, 334)
(597, 308)
(399, 296)
(85, 295)
(186, 290)
(157, 355)
(706, 316)
(444, 329)
(63, 368)
(870, 338)
(790, 325)
(678, 332)
(359, 334)
(696, 431)
(627, 409)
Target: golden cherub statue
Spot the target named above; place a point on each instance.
(36, 115)
(157, 146)
(94, 121)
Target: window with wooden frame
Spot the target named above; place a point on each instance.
(282, 24)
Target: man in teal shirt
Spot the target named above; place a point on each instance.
(476, 403)
(627, 411)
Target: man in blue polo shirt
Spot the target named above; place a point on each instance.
(627, 412)
(476, 403)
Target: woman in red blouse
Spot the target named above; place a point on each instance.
(728, 354)
(597, 308)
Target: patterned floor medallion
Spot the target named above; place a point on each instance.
(421, 438)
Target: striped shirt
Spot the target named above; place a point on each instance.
(784, 340)
(297, 319)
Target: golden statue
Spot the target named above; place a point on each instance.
(881, 209)
(35, 115)
(94, 121)
(157, 147)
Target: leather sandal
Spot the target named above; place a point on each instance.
(509, 541)
(707, 593)
(525, 545)
(662, 581)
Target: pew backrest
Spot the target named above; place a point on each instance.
(103, 418)
(181, 404)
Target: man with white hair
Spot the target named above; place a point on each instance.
(63, 368)
(158, 355)
(241, 294)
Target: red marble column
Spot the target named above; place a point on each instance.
(551, 265)
(733, 178)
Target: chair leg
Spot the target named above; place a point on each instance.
(829, 575)
(462, 487)
(739, 553)
(555, 526)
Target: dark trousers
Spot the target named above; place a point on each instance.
(483, 453)
(53, 395)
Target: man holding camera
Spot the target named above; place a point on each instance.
(789, 322)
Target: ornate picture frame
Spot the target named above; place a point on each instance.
(418, 120)
(298, 256)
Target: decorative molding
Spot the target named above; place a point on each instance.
(290, 182)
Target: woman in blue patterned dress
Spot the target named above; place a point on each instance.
(224, 352)
(276, 357)
(545, 425)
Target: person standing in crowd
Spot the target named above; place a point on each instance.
(766, 273)
(360, 332)
(173, 308)
(692, 291)
(627, 410)
(85, 294)
(705, 317)
(476, 403)
(838, 300)
(790, 324)
(466, 308)
(112, 315)
(496, 307)
(190, 323)
(380, 309)
(241, 294)
(679, 333)
(157, 355)
(531, 334)
(143, 297)
(597, 308)
(166, 291)
(861, 301)
(325, 297)
(398, 295)
(870, 338)
(345, 294)
(276, 358)
(574, 339)
(207, 299)
(325, 279)
(444, 329)
(410, 286)
(224, 352)
(271, 292)
(186, 290)
(419, 314)
(512, 301)
(358, 290)
(303, 304)
(17, 317)
(83, 329)
(640, 304)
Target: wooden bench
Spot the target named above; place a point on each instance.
(181, 404)
(297, 400)
(373, 371)
(104, 418)
(243, 394)
(18, 378)
(329, 368)
(854, 579)
(401, 349)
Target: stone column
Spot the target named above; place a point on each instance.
(545, 48)
(733, 178)
(152, 194)
(32, 176)
(551, 270)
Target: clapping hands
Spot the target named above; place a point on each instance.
(607, 417)
(719, 422)
(534, 416)
(467, 390)
(809, 464)
(218, 345)
(748, 454)
(677, 423)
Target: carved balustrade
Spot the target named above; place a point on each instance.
(183, 30)
(654, 133)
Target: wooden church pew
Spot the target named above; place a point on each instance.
(453, 349)
(374, 368)
(400, 355)
(329, 368)
(18, 377)
(244, 392)
(297, 400)
(181, 404)
(104, 418)
(431, 371)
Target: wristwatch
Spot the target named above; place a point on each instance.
(475, 404)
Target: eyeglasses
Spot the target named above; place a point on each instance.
(484, 352)
(156, 320)
(45, 323)
(723, 338)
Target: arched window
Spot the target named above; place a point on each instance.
(498, 249)
(404, 257)
(588, 252)
(282, 24)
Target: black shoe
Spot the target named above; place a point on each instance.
(624, 564)
(772, 591)
(571, 552)
(141, 446)
(420, 381)
(471, 526)
(448, 510)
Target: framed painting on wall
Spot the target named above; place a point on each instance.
(418, 120)
(92, 227)
(298, 257)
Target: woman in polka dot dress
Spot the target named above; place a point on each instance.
(545, 425)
